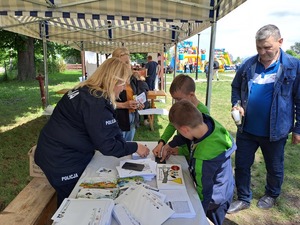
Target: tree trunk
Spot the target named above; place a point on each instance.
(26, 68)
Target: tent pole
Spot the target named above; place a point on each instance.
(175, 66)
(45, 63)
(83, 69)
(165, 71)
(211, 60)
(175, 63)
(197, 57)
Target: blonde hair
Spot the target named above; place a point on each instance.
(109, 74)
(119, 52)
(185, 113)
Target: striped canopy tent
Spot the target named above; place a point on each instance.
(102, 25)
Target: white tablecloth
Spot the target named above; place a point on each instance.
(100, 160)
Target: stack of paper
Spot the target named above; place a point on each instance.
(84, 211)
(170, 182)
(179, 201)
(147, 173)
(141, 206)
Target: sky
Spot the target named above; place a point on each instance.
(236, 31)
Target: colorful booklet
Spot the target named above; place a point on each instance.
(99, 182)
(169, 176)
(93, 193)
(126, 182)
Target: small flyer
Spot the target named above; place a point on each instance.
(169, 176)
(141, 98)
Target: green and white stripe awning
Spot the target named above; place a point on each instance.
(101, 25)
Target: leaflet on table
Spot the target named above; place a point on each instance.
(106, 185)
(93, 193)
(125, 182)
(148, 172)
(141, 206)
(107, 172)
(179, 201)
(152, 111)
(123, 216)
(84, 211)
(158, 194)
(99, 182)
(169, 176)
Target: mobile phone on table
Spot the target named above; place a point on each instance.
(133, 166)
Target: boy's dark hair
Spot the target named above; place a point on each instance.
(184, 113)
(183, 83)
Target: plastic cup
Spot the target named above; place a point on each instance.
(236, 116)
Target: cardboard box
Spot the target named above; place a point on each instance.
(34, 170)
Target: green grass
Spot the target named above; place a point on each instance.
(21, 121)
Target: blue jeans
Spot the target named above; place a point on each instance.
(217, 213)
(151, 83)
(129, 135)
(273, 153)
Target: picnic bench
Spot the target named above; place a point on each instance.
(152, 95)
(34, 205)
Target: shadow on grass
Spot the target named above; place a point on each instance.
(229, 222)
(14, 160)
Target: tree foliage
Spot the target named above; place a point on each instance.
(70, 55)
(138, 57)
(296, 48)
(26, 55)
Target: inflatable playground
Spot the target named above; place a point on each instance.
(224, 60)
(186, 61)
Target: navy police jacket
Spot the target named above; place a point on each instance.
(80, 124)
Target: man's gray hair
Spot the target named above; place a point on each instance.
(267, 31)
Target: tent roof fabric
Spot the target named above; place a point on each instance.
(102, 25)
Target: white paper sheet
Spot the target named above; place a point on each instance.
(84, 211)
(179, 201)
(144, 207)
(148, 172)
(152, 111)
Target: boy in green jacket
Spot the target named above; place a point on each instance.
(210, 147)
(182, 87)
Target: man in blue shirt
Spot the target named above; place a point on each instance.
(151, 67)
(268, 85)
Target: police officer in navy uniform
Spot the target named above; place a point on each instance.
(83, 121)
